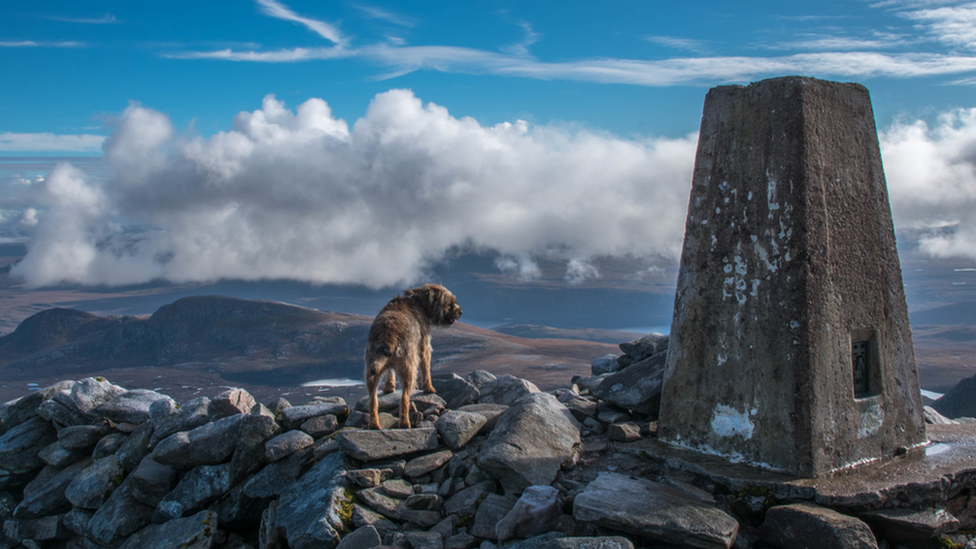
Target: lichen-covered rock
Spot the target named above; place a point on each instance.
(490, 512)
(312, 511)
(49, 497)
(531, 442)
(369, 445)
(151, 481)
(455, 390)
(536, 512)
(120, 516)
(286, 444)
(294, 416)
(506, 390)
(808, 526)
(424, 464)
(20, 446)
(366, 537)
(249, 454)
(606, 364)
(208, 444)
(458, 427)
(230, 403)
(130, 406)
(200, 487)
(196, 532)
(82, 436)
(136, 446)
(92, 486)
(636, 388)
(167, 418)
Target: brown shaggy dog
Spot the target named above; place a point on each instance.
(399, 341)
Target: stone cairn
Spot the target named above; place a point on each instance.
(492, 462)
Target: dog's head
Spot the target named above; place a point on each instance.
(439, 304)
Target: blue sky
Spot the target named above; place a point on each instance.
(314, 140)
(623, 67)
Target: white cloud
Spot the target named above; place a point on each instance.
(931, 174)
(40, 44)
(952, 25)
(323, 29)
(28, 217)
(106, 19)
(25, 142)
(300, 195)
(373, 12)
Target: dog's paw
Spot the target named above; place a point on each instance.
(375, 426)
(404, 424)
(430, 390)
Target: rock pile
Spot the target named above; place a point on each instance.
(492, 462)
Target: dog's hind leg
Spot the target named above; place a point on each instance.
(425, 367)
(406, 382)
(373, 374)
(390, 385)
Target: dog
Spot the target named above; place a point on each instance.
(399, 343)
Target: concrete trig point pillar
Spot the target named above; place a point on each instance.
(790, 344)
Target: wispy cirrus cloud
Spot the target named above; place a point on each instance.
(325, 30)
(107, 19)
(38, 142)
(41, 44)
(687, 44)
(372, 12)
(876, 54)
(952, 25)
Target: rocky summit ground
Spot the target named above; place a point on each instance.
(491, 461)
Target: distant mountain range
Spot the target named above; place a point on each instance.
(216, 340)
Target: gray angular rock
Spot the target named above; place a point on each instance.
(530, 443)
(273, 479)
(82, 436)
(606, 364)
(286, 444)
(77, 520)
(424, 502)
(136, 446)
(321, 426)
(57, 412)
(151, 481)
(309, 510)
(490, 411)
(536, 512)
(461, 541)
(58, 456)
(20, 446)
(208, 444)
(365, 537)
(365, 478)
(19, 410)
(38, 529)
(109, 444)
(654, 510)
(120, 516)
(455, 390)
(623, 432)
(166, 420)
(249, 454)
(397, 488)
(92, 486)
(230, 403)
(637, 387)
(901, 524)
(200, 487)
(196, 532)
(607, 542)
(130, 406)
(270, 536)
(506, 390)
(424, 464)
(480, 378)
(425, 540)
(458, 427)
(808, 526)
(87, 395)
(492, 509)
(362, 516)
(643, 347)
(369, 445)
(49, 498)
(581, 408)
(294, 416)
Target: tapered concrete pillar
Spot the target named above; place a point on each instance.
(790, 344)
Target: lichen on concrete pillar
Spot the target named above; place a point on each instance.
(790, 343)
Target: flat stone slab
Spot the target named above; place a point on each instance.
(653, 510)
(369, 445)
(917, 475)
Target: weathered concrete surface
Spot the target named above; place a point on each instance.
(789, 257)
(923, 478)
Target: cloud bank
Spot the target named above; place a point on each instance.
(931, 173)
(301, 195)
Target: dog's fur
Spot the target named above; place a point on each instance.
(399, 341)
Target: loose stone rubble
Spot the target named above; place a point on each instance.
(496, 463)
